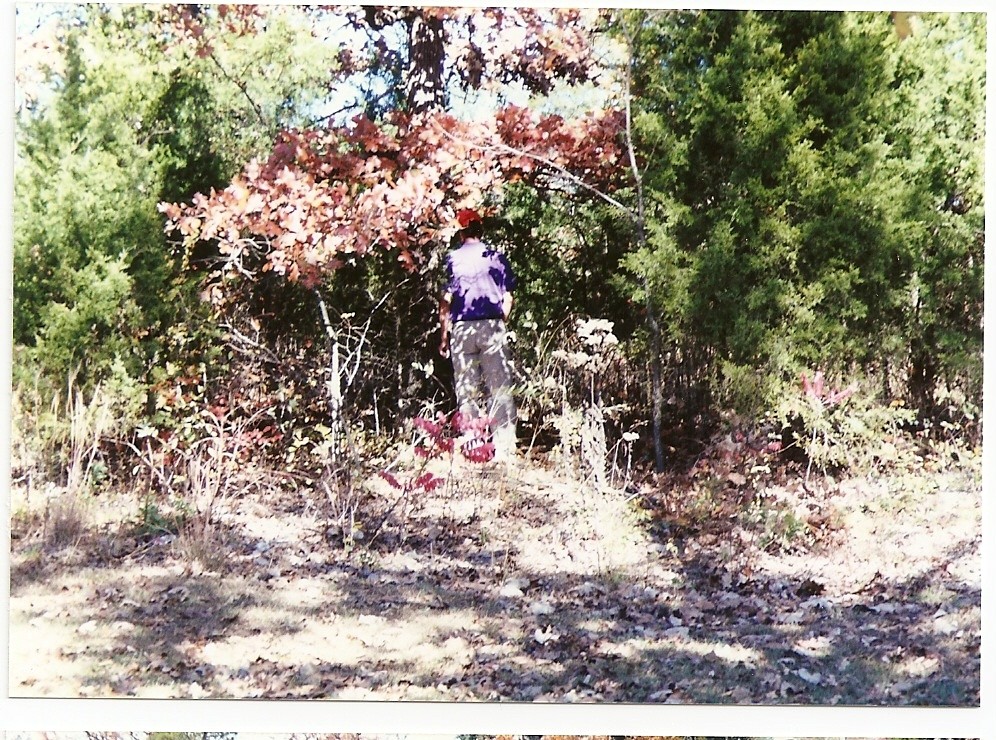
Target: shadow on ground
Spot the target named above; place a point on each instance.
(448, 615)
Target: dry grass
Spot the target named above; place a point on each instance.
(66, 520)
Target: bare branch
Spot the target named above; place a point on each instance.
(560, 170)
(269, 355)
(242, 87)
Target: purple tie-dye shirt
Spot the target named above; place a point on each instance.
(479, 277)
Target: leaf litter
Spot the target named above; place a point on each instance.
(534, 587)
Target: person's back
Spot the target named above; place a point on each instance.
(474, 307)
(479, 277)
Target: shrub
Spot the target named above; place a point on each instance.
(59, 435)
(841, 428)
(66, 518)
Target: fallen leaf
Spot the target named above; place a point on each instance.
(809, 676)
(808, 588)
(545, 635)
(540, 608)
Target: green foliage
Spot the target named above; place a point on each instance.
(566, 255)
(939, 132)
(813, 192)
(746, 390)
(181, 119)
(120, 118)
(155, 519)
(776, 526)
(755, 176)
(91, 329)
(92, 273)
(70, 222)
(795, 165)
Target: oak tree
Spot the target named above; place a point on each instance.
(386, 180)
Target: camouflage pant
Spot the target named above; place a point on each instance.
(481, 356)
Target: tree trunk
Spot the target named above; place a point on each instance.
(923, 378)
(424, 88)
(333, 386)
(653, 324)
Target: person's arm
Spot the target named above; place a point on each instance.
(506, 305)
(444, 324)
(507, 285)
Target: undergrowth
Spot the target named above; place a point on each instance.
(765, 485)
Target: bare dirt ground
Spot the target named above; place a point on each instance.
(520, 585)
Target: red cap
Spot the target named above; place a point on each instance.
(466, 216)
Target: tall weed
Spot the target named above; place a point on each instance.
(195, 478)
(572, 397)
(842, 428)
(58, 433)
(58, 439)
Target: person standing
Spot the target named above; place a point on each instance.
(473, 312)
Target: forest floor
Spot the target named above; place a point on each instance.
(523, 584)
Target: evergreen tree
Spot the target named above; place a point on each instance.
(938, 144)
(124, 121)
(783, 192)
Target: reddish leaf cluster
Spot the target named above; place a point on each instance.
(587, 147)
(816, 390)
(326, 194)
(436, 440)
(425, 482)
(473, 426)
(479, 453)
(439, 437)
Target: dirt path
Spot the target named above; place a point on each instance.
(524, 588)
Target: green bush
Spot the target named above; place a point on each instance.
(745, 390)
(842, 428)
(89, 332)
